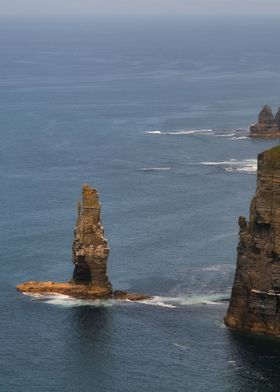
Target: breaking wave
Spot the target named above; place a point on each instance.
(230, 135)
(160, 301)
(238, 134)
(239, 138)
(181, 132)
(233, 165)
(156, 168)
(175, 302)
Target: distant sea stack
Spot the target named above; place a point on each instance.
(268, 126)
(90, 253)
(255, 298)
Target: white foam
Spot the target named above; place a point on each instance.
(225, 134)
(246, 165)
(160, 301)
(180, 346)
(156, 168)
(174, 302)
(240, 138)
(181, 132)
(67, 301)
(216, 267)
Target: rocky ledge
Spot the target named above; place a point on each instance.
(267, 126)
(90, 253)
(79, 291)
(255, 298)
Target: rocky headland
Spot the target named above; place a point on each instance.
(255, 298)
(90, 253)
(267, 126)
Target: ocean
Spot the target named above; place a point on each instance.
(154, 113)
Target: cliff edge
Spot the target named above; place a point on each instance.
(255, 298)
(90, 252)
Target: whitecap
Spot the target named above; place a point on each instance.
(161, 301)
(153, 132)
(239, 138)
(225, 134)
(181, 132)
(245, 166)
(67, 301)
(181, 346)
(156, 168)
(174, 302)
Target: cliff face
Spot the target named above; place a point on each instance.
(255, 299)
(268, 126)
(90, 248)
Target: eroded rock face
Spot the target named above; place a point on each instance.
(255, 299)
(90, 247)
(268, 126)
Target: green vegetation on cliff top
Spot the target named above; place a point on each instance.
(271, 159)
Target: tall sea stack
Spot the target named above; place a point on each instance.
(255, 298)
(90, 253)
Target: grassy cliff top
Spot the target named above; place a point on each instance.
(270, 159)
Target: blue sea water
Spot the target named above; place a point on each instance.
(154, 113)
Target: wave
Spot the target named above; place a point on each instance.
(156, 168)
(225, 134)
(181, 346)
(160, 301)
(181, 132)
(239, 138)
(233, 165)
(67, 301)
(217, 267)
(175, 302)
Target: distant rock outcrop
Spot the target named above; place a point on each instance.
(268, 126)
(255, 299)
(90, 253)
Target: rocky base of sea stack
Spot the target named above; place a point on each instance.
(264, 135)
(79, 291)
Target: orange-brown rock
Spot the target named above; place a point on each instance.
(74, 290)
(267, 126)
(90, 253)
(255, 298)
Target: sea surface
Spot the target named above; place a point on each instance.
(154, 113)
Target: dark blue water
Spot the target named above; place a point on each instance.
(145, 110)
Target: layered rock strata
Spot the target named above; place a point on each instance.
(90, 253)
(267, 126)
(255, 298)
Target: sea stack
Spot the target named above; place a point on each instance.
(90, 247)
(255, 298)
(267, 126)
(90, 253)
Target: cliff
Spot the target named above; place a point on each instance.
(255, 298)
(267, 126)
(90, 253)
